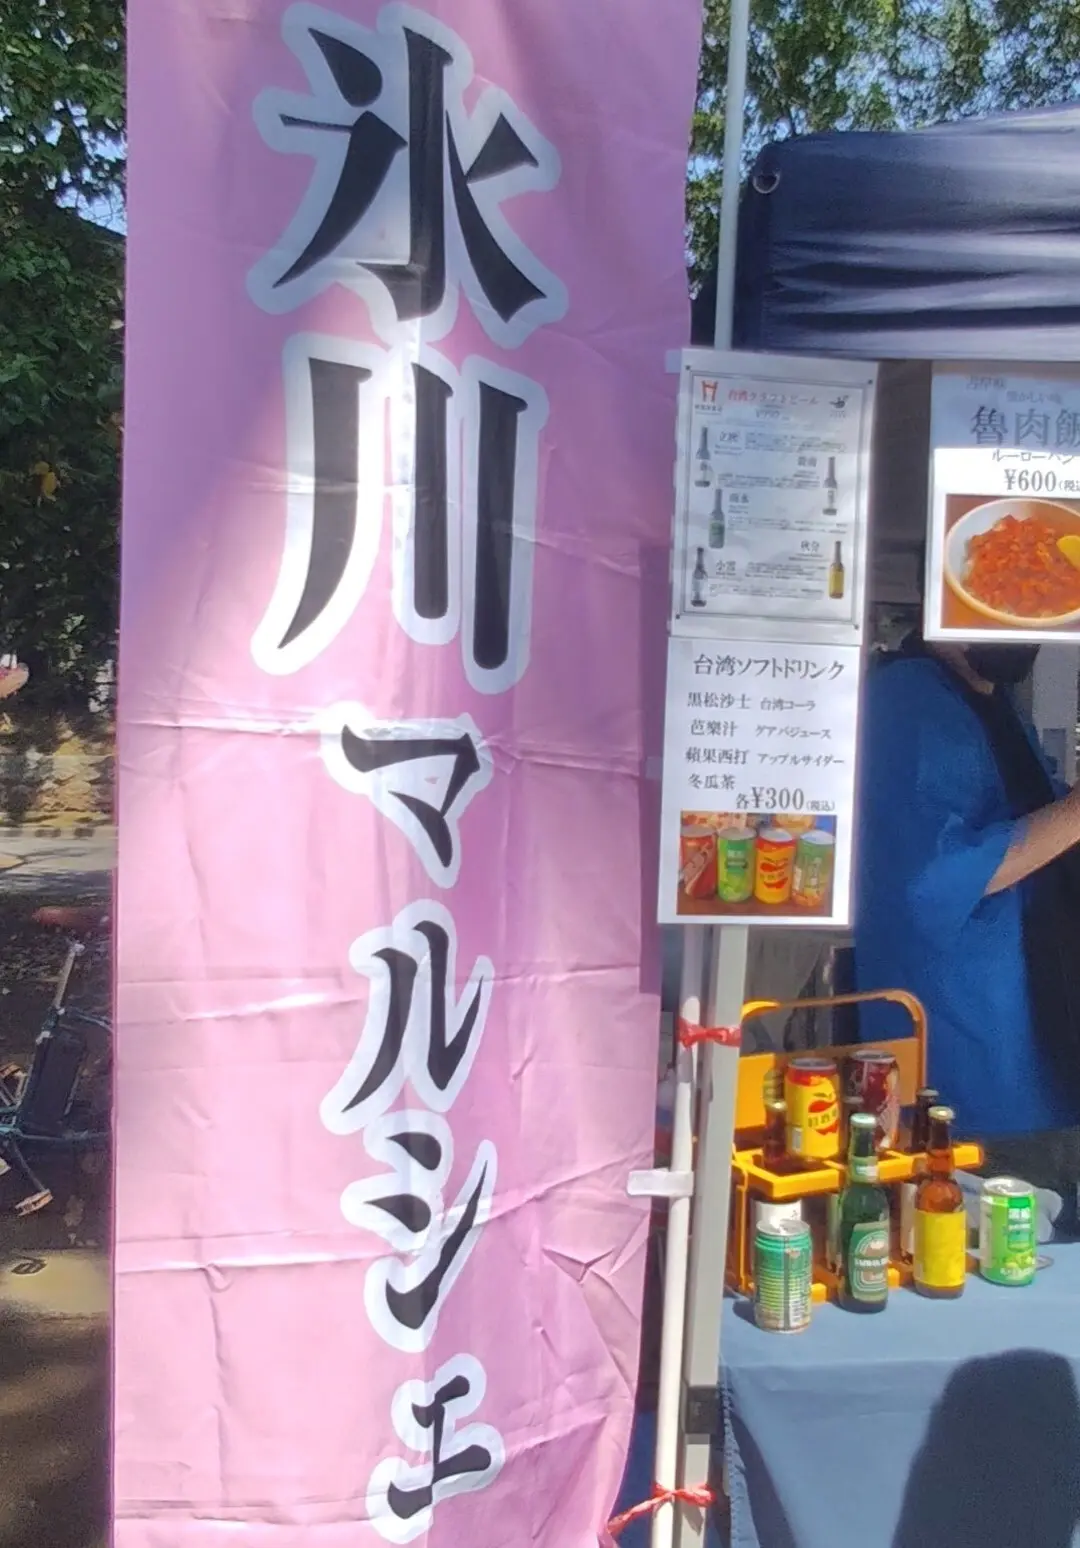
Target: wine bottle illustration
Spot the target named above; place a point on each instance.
(836, 575)
(704, 475)
(698, 581)
(830, 489)
(718, 523)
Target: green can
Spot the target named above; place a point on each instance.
(1008, 1235)
(783, 1275)
(735, 865)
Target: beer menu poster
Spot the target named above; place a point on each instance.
(1004, 551)
(771, 493)
(758, 796)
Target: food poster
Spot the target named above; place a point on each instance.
(771, 494)
(759, 782)
(1003, 556)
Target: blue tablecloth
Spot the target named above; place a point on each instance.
(938, 1424)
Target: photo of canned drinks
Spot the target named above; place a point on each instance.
(755, 863)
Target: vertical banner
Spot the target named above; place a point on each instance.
(401, 284)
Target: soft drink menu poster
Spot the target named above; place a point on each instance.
(771, 494)
(757, 818)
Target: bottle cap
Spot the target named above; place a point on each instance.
(942, 1114)
(863, 1121)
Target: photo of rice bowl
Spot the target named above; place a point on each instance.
(1017, 562)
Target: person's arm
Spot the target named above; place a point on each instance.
(1039, 839)
(930, 785)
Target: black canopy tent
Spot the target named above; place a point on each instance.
(952, 243)
(957, 242)
(960, 242)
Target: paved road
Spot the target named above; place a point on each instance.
(59, 866)
(54, 1287)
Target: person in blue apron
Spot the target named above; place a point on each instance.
(968, 895)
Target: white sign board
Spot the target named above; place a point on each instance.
(759, 782)
(1003, 557)
(771, 496)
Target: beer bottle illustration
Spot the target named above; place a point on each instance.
(717, 523)
(836, 575)
(704, 475)
(698, 580)
(830, 488)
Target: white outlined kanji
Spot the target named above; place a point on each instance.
(405, 203)
(401, 1496)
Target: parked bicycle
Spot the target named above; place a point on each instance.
(43, 1108)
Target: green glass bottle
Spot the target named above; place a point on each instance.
(864, 1224)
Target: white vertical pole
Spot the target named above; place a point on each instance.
(676, 1255)
(718, 1067)
(734, 114)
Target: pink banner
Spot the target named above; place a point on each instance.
(398, 496)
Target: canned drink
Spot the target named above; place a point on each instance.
(774, 855)
(766, 1213)
(872, 1077)
(811, 884)
(734, 865)
(792, 823)
(811, 1090)
(697, 861)
(783, 1276)
(1008, 1232)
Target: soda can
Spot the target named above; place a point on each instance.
(734, 865)
(1008, 1232)
(774, 863)
(697, 861)
(766, 1212)
(811, 885)
(872, 1077)
(783, 1276)
(811, 1091)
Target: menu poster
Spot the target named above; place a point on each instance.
(771, 495)
(758, 793)
(1003, 557)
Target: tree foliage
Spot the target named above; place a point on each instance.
(816, 65)
(61, 277)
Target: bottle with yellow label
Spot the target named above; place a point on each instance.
(940, 1266)
(836, 573)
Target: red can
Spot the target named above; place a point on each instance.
(697, 861)
(872, 1079)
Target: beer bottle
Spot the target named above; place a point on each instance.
(774, 1154)
(940, 1267)
(851, 1104)
(698, 581)
(704, 462)
(831, 487)
(836, 574)
(718, 522)
(864, 1224)
(925, 1098)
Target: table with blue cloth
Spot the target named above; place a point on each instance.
(936, 1424)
